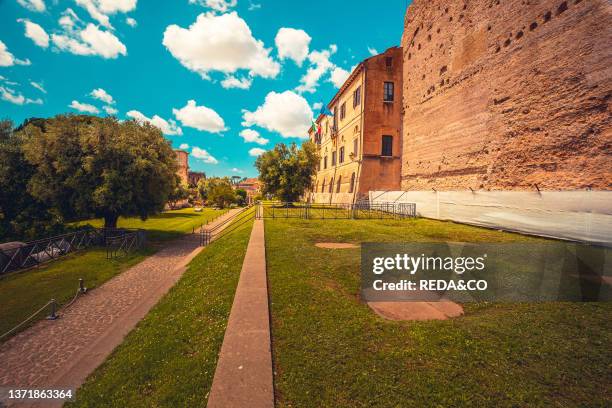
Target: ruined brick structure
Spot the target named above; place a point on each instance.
(507, 94)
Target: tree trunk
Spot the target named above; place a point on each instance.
(110, 220)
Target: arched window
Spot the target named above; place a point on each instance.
(323, 186)
(331, 185)
(338, 184)
(352, 186)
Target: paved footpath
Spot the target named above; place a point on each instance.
(243, 377)
(62, 353)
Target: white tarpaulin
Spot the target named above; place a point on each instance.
(575, 215)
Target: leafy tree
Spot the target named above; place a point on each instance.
(241, 196)
(86, 166)
(21, 215)
(286, 171)
(219, 192)
(180, 192)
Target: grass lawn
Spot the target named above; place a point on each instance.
(330, 350)
(167, 225)
(169, 359)
(22, 293)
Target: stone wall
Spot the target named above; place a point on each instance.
(507, 94)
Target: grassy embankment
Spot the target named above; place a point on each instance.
(331, 350)
(169, 359)
(23, 293)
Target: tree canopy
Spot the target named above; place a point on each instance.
(217, 191)
(83, 166)
(286, 171)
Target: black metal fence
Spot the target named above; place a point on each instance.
(230, 224)
(362, 210)
(18, 255)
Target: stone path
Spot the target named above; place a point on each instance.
(62, 353)
(243, 377)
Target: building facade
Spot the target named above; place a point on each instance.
(360, 144)
(251, 186)
(182, 160)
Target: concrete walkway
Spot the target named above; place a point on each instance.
(243, 377)
(62, 353)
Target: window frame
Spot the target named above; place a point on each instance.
(341, 155)
(357, 97)
(389, 145)
(343, 111)
(386, 94)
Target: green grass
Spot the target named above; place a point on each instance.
(169, 359)
(167, 225)
(330, 350)
(22, 293)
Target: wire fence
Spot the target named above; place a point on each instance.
(360, 210)
(207, 235)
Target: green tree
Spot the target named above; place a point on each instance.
(218, 191)
(241, 196)
(88, 166)
(286, 171)
(180, 193)
(21, 215)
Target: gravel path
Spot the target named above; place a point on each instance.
(62, 353)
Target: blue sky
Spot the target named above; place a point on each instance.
(227, 78)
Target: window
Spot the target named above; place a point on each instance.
(387, 146)
(388, 96)
(342, 111)
(325, 162)
(352, 185)
(316, 187)
(389, 62)
(323, 186)
(357, 97)
(338, 184)
(331, 185)
(333, 158)
(335, 129)
(341, 158)
(355, 148)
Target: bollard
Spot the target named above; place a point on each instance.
(53, 314)
(82, 288)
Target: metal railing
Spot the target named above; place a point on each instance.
(207, 235)
(27, 255)
(359, 210)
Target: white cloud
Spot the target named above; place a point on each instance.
(83, 107)
(252, 136)
(90, 41)
(317, 106)
(221, 43)
(234, 82)
(292, 44)
(199, 117)
(218, 5)
(100, 10)
(7, 59)
(131, 22)
(286, 113)
(256, 151)
(110, 110)
(168, 127)
(203, 155)
(235, 170)
(320, 65)
(254, 6)
(102, 95)
(12, 96)
(184, 146)
(338, 76)
(33, 5)
(38, 86)
(35, 33)
(372, 51)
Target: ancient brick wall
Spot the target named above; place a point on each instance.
(506, 94)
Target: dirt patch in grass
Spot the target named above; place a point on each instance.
(336, 245)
